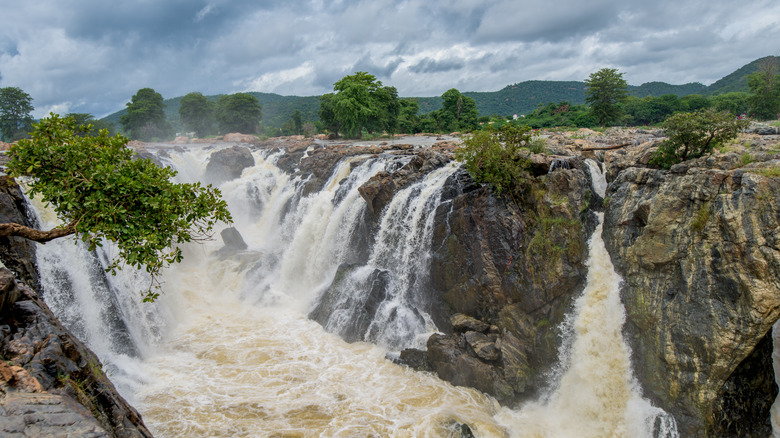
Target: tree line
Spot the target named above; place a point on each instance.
(361, 105)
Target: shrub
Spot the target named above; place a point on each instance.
(691, 135)
(493, 157)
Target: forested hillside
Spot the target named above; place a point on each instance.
(520, 98)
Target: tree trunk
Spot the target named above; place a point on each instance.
(13, 229)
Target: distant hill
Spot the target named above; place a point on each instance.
(737, 81)
(519, 98)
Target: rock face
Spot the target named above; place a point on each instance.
(699, 249)
(51, 384)
(227, 164)
(507, 273)
(16, 253)
(336, 301)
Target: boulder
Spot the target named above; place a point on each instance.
(237, 137)
(227, 164)
(344, 308)
(9, 293)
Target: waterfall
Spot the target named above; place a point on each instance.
(594, 393)
(775, 410)
(396, 274)
(229, 348)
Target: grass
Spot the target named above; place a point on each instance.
(769, 172)
(702, 216)
(747, 158)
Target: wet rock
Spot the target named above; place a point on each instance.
(464, 323)
(483, 347)
(414, 358)
(514, 268)
(27, 415)
(9, 293)
(55, 379)
(346, 313)
(227, 164)
(232, 239)
(380, 189)
(16, 253)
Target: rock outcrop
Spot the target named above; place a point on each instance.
(50, 383)
(16, 253)
(506, 272)
(227, 164)
(699, 249)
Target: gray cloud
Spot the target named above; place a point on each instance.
(92, 56)
(429, 65)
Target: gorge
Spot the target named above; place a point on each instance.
(393, 244)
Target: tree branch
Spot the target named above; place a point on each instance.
(17, 230)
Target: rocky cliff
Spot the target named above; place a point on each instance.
(699, 249)
(51, 384)
(504, 273)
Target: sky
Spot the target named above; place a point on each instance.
(92, 56)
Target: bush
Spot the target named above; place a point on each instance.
(493, 157)
(691, 135)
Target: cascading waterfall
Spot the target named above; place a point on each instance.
(594, 393)
(402, 251)
(228, 350)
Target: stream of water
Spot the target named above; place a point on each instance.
(228, 350)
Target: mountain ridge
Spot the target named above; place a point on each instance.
(518, 98)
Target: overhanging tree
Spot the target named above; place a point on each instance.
(101, 191)
(606, 89)
(15, 109)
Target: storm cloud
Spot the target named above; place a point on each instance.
(92, 56)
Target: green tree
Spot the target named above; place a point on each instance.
(736, 102)
(459, 112)
(353, 104)
(197, 114)
(606, 89)
(327, 114)
(358, 102)
(765, 86)
(297, 119)
(691, 135)
(145, 118)
(408, 120)
(239, 112)
(101, 191)
(15, 109)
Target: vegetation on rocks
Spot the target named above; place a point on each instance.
(493, 157)
(692, 135)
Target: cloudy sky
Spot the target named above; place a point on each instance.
(93, 55)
